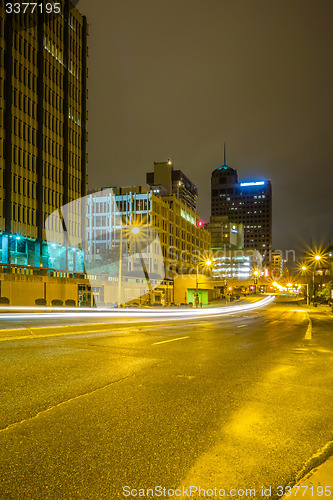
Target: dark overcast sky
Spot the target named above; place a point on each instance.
(177, 78)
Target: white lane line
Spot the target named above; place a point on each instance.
(241, 326)
(308, 335)
(171, 340)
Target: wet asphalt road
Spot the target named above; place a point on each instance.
(236, 402)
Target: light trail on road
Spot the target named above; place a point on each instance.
(171, 314)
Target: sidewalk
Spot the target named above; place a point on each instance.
(243, 300)
(318, 483)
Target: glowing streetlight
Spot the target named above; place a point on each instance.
(256, 275)
(203, 263)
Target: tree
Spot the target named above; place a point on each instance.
(325, 292)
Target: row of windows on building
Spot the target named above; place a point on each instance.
(23, 186)
(237, 202)
(55, 125)
(23, 214)
(23, 158)
(27, 187)
(24, 103)
(24, 131)
(52, 198)
(53, 73)
(25, 48)
(243, 210)
(57, 53)
(105, 207)
(24, 75)
(28, 106)
(55, 224)
(25, 21)
(238, 192)
(187, 246)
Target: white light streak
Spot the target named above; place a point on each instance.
(101, 313)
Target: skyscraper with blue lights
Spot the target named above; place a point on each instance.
(248, 203)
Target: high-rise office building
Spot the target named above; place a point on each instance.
(248, 203)
(43, 115)
(171, 182)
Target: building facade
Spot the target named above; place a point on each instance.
(181, 241)
(43, 129)
(173, 182)
(277, 265)
(225, 234)
(247, 203)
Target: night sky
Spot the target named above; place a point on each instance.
(176, 78)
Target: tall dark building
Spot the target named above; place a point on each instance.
(174, 182)
(248, 203)
(43, 136)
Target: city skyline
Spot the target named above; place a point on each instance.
(184, 79)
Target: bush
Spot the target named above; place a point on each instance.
(57, 303)
(85, 303)
(70, 303)
(4, 300)
(40, 302)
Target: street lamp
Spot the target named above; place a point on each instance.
(134, 231)
(315, 260)
(256, 274)
(205, 263)
(331, 277)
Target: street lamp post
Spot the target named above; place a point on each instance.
(331, 280)
(255, 274)
(304, 268)
(206, 263)
(135, 230)
(196, 286)
(120, 266)
(317, 258)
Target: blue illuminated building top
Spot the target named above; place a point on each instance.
(247, 184)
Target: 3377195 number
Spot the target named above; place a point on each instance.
(32, 7)
(301, 490)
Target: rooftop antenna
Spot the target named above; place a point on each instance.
(224, 155)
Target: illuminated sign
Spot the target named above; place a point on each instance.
(259, 183)
(187, 216)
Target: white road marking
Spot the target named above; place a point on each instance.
(308, 335)
(241, 326)
(171, 340)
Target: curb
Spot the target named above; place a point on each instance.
(316, 460)
(315, 463)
